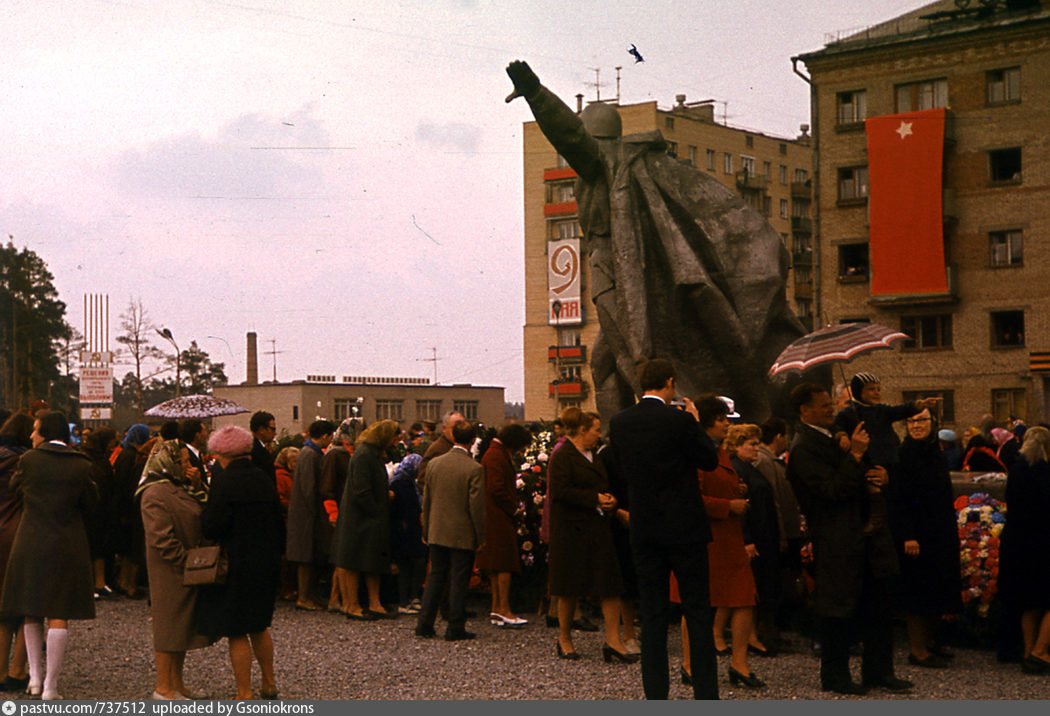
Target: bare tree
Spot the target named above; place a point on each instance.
(137, 334)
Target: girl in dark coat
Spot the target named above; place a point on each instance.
(98, 446)
(1024, 579)
(129, 540)
(15, 439)
(243, 514)
(582, 557)
(406, 534)
(924, 527)
(362, 534)
(49, 575)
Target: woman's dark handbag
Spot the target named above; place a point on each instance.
(205, 565)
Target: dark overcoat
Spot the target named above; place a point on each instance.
(1024, 578)
(10, 501)
(582, 557)
(362, 533)
(500, 552)
(171, 520)
(309, 532)
(263, 460)
(922, 509)
(334, 469)
(50, 573)
(243, 514)
(833, 493)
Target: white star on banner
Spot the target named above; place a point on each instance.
(904, 130)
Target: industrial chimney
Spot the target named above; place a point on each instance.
(252, 370)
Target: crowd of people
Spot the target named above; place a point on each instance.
(678, 506)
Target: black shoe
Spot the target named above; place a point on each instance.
(1035, 665)
(890, 683)
(609, 654)
(848, 688)
(570, 655)
(425, 632)
(750, 680)
(460, 635)
(760, 652)
(584, 624)
(13, 684)
(931, 661)
(687, 679)
(724, 652)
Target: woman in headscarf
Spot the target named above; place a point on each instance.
(243, 514)
(49, 574)
(172, 498)
(98, 446)
(1024, 579)
(923, 521)
(128, 536)
(362, 534)
(406, 534)
(15, 439)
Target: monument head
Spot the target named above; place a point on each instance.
(602, 121)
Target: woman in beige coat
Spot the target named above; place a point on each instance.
(172, 502)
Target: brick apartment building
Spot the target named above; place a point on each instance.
(953, 250)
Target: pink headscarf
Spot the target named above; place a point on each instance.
(1000, 436)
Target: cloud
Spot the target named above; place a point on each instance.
(452, 135)
(252, 157)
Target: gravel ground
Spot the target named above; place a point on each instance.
(325, 656)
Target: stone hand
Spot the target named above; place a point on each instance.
(525, 80)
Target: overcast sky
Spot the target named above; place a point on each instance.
(341, 177)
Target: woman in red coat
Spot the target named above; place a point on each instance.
(732, 585)
(499, 555)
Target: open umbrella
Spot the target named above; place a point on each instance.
(834, 343)
(195, 406)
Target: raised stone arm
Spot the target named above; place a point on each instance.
(562, 127)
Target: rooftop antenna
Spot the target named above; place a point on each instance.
(433, 359)
(273, 352)
(618, 84)
(597, 84)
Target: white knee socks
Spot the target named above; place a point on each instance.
(56, 653)
(34, 634)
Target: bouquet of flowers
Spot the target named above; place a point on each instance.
(980, 519)
(532, 488)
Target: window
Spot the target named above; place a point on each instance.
(853, 260)
(569, 402)
(1004, 165)
(1007, 328)
(1006, 247)
(1008, 403)
(803, 244)
(747, 164)
(345, 408)
(727, 163)
(561, 193)
(295, 412)
(783, 148)
(568, 336)
(852, 106)
(428, 410)
(783, 175)
(692, 155)
(946, 407)
(672, 149)
(803, 274)
(669, 122)
(767, 170)
(804, 308)
(853, 183)
(749, 141)
(564, 229)
(927, 332)
(570, 373)
(1004, 85)
(922, 95)
(710, 160)
(767, 205)
(801, 175)
(468, 408)
(389, 409)
(783, 208)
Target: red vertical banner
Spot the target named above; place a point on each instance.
(905, 160)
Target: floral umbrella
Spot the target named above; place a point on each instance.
(195, 406)
(834, 343)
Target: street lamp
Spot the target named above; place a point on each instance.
(166, 335)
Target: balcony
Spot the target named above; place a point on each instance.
(751, 181)
(568, 388)
(567, 354)
(802, 189)
(803, 289)
(801, 225)
(802, 258)
(951, 296)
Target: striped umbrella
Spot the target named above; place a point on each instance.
(834, 343)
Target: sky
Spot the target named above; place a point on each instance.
(343, 178)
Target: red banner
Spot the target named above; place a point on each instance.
(905, 159)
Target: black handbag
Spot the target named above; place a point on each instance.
(205, 565)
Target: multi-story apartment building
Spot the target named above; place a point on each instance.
(772, 174)
(932, 197)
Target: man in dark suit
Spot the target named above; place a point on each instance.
(193, 433)
(454, 528)
(659, 450)
(840, 494)
(264, 429)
